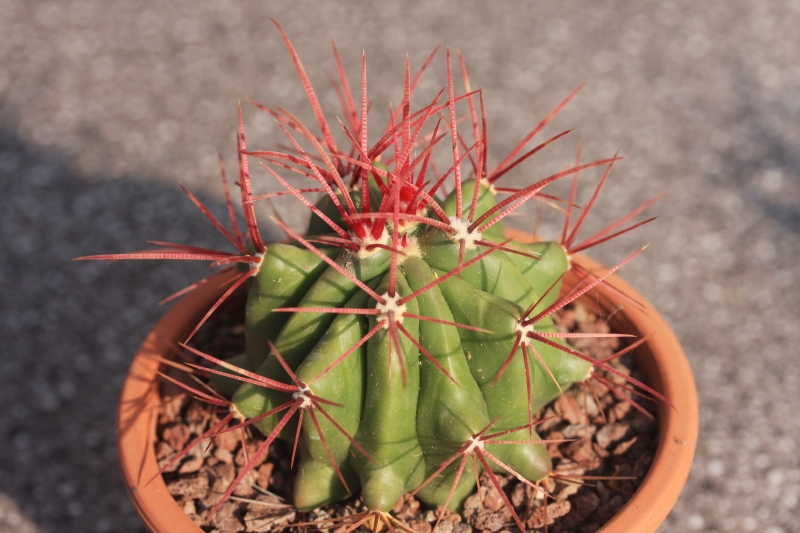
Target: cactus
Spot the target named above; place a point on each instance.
(405, 331)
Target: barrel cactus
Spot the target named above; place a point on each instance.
(413, 341)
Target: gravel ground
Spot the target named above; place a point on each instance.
(105, 105)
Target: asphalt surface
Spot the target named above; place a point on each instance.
(106, 105)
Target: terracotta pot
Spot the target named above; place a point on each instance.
(661, 358)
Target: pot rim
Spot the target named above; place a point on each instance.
(661, 358)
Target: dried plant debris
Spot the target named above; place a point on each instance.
(608, 450)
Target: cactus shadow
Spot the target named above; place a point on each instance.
(69, 329)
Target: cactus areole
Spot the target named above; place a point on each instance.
(402, 342)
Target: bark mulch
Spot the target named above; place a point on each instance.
(611, 448)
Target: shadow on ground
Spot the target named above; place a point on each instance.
(68, 329)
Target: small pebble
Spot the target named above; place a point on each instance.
(223, 455)
(190, 486)
(420, 526)
(177, 436)
(192, 464)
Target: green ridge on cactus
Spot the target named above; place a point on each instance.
(409, 418)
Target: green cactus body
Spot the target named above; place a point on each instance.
(343, 384)
(388, 426)
(495, 274)
(506, 399)
(450, 411)
(408, 418)
(544, 271)
(286, 274)
(302, 331)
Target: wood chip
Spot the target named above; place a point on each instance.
(623, 447)
(196, 413)
(227, 518)
(569, 409)
(229, 440)
(611, 433)
(223, 455)
(443, 527)
(420, 526)
(580, 451)
(189, 486)
(163, 450)
(193, 463)
(265, 475)
(448, 515)
(241, 459)
(176, 435)
(546, 516)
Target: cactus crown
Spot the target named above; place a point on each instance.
(411, 338)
